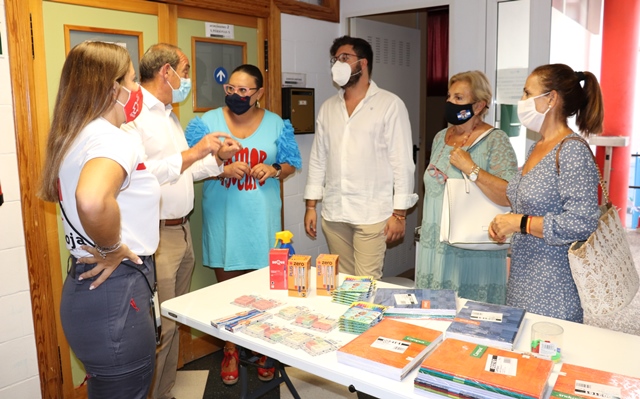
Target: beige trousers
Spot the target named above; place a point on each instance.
(361, 247)
(175, 262)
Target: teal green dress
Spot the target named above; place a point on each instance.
(476, 275)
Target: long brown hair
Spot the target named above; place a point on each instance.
(584, 102)
(85, 92)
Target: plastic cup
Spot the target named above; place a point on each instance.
(546, 340)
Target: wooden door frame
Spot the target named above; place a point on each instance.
(25, 43)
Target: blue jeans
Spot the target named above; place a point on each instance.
(111, 330)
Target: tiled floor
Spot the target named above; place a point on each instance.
(216, 389)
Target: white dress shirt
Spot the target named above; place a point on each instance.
(164, 141)
(361, 166)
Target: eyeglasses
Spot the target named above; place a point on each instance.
(436, 174)
(344, 57)
(242, 91)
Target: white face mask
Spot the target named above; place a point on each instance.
(341, 72)
(529, 115)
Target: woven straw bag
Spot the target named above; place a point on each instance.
(602, 266)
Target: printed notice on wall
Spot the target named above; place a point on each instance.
(510, 83)
(222, 31)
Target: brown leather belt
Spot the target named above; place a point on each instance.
(174, 222)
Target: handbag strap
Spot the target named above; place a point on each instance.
(480, 138)
(605, 192)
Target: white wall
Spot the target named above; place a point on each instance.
(19, 365)
(305, 49)
(575, 46)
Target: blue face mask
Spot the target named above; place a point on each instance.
(179, 94)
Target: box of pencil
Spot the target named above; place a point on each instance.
(278, 258)
(298, 276)
(326, 274)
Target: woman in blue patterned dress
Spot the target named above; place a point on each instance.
(553, 203)
(476, 275)
(241, 207)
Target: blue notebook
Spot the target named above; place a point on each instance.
(416, 301)
(487, 324)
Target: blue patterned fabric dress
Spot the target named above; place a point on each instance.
(540, 279)
(475, 275)
(241, 217)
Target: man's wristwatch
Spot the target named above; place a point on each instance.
(278, 169)
(473, 176)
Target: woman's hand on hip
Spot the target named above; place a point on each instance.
(105, 265)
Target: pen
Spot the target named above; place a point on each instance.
(301, 276)
(328, 272)
(324, 276)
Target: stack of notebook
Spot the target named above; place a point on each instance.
(360, 317)
(487, 324)
(417, 303)
(354, 288)
(459, 369)
(576, 382)
(391, 348)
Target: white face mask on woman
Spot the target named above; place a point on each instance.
(529, 115)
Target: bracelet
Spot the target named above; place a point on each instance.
(529, 220)
(523, 224)
(221, 160)
(311, 207)
(399, 216)
(103, 251)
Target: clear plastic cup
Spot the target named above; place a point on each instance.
(546, 340)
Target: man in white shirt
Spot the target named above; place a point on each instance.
(164, 76)
(361, 164)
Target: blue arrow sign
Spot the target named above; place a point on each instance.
(220, 75)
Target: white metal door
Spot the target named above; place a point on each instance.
(396, 68)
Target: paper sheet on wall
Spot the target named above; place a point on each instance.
(510, 83)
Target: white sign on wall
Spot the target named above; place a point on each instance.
(510, 83)
(224, 31)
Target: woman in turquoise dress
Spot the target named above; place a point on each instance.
(491, 162)
(241, 207)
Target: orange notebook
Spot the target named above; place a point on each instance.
(390, 348)
(576, 382)
(477, 369)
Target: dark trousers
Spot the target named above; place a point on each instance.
(111, 330)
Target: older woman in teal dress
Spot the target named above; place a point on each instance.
(491, 161)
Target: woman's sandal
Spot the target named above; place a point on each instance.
(229, 369)
(265, 374)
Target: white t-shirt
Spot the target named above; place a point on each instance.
(139, 197)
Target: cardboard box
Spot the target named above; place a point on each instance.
(278, 258)
(299, 268)
(326, 274)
